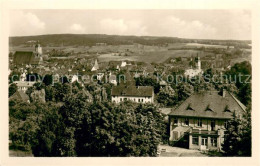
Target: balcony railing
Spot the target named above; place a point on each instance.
(197, 131)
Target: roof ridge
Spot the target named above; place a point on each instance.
(241, 105)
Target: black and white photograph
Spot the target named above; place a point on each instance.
(161, 83)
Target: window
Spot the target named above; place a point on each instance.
(226, 124)
(195, 141)
(212, 124)
(125, 99)
(175, 122)
(120, 99)
(213, 142)
(199, 122)
(142, 100)
(204, 141)
(186, 121)
(139, 100)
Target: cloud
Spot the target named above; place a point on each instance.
(122, 27)
(34, 21)
(77, 28)
(201, 24)
(22, 23)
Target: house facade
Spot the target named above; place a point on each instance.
(23, 85)
(203, 118)
(139, 94)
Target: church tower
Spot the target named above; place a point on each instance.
(199, 63)
(38, 50)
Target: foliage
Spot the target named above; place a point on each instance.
(24, 122)
(240, 74)
(147, 81)
(79, 128)
(125, 130)
(14, 76)
(167, 96)
(47, 79)
(238, 139)
(32, 77)
(12, 89)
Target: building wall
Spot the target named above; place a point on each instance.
(193, 122)
(209, 145)
(118, 99)
(206, 126)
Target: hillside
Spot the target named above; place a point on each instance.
(92, 39)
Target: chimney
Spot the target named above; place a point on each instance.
(224, 93)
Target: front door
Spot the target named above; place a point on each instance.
(204, 143)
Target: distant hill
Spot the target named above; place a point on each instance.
(92, 39)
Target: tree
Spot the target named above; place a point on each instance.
(22, 124)
(184, 90)
(241, 74)
(49, 130)
(122, 130)
(47, 79)
(14, 76)
(33, 77)
(143, 81)
(245, 148)
(167, 96)
(231, 143)
(81, 128)
(72, 113)
(12, 89)
(238, 137)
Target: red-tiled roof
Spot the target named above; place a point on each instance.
(209, 105)
(140, 91)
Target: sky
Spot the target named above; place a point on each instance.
(194, 24)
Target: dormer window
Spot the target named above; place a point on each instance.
(227, 109)
(209, 108)
(189, 107)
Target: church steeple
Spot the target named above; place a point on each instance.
(199, 63)
(38, 49)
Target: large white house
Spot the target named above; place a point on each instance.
(140, 94)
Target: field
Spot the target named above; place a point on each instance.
(149, 57)
(205, 45)
(109, 53)
(134, 52)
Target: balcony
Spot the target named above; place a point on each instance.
(203, 132)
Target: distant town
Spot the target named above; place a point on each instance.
(107, 95)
